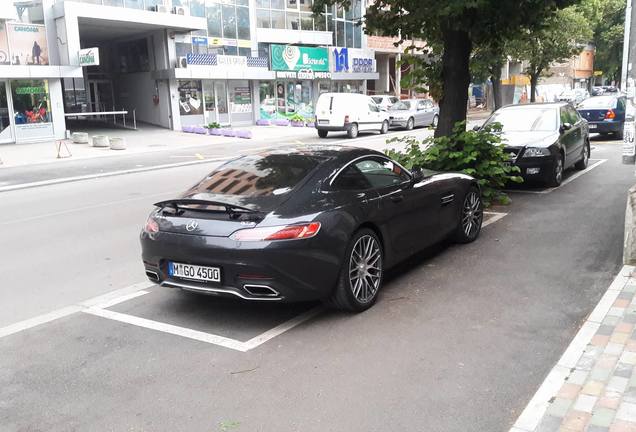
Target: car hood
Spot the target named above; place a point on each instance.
(529, 139)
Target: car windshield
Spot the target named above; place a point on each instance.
(522, 120)
(600, 102)
(260, 175)
(376, 99)
(401, 106)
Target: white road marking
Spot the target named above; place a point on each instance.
(69, 310)
(494, 218)
(566, 181)
(536, 408)
(124, 298)
(169, 328)
(282, 328)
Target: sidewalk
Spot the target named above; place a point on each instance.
(146, 139)
(593, 386)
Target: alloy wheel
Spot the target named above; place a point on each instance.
(365, 268)
(435, 120)
(558, 170)
(472, 214)
(410, 123)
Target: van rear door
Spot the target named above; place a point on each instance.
(329, 110)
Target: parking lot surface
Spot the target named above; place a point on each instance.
(459, 340)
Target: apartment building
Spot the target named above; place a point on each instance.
(173, 62)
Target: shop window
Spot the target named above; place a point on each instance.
(75, 99)
(230, 50)
(340, 33)
(243, 22)
(306, 22)
(229, 21)
(213, 12)
(197, 8)
(357, 36)
(263, 50)
(278, 4)
(293, 21)
(240, 97)
(263, 4)
(30, 12)
(278, 19)
(267, 98)
(262, 18)
(349, 34)
(320, 22)
(190, 97)
(31, 102)
(247, 52)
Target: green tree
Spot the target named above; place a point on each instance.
(486, 63)
(456, 26)
(560, 37)
(606, 19)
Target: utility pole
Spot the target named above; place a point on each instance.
(626, 38)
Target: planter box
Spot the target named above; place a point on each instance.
(311, 125)
(263, 122)
(117, 144)
(244, 134)
(80, 137)
(228, 132)
(215, 131)
(200, 130)
(187, 129)
(100, 141)
(281, 122)
(298, 124)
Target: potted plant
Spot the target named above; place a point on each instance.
(297, 120)
(214, 128)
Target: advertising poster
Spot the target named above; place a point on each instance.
(190, 100)
(242, 100)
(294, 58)
(4, 44)
(28, 44)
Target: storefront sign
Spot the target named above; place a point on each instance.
(199, 40)
(89, 57)
(353, 60)
(231, 61)
(30, 90)
(303, 75)
(296, 58)
(27, 44)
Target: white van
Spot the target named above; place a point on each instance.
(350, 112)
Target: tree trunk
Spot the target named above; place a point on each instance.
(496, 85)
(534, 78)
(455, 80)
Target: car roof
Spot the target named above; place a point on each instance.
(326, 151)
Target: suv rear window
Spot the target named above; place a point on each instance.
(259, 175)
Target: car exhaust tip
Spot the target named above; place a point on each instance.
(153, 276)
(260, 290)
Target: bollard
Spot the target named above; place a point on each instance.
(100, 141)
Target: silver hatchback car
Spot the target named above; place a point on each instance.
(409, 113)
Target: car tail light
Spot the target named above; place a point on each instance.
(346, 119)
(284, 232)
(610, 114)
(151, 226)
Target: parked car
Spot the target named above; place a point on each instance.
(410, 113)
(597, 91)
(350, 112)
(305, 223)
(605, 114)
(385, 101)
(543, 140)
(574, 96)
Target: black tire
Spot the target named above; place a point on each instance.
(471, 216)
(344, 296)
(556, 176)
(385, 127)
(619, 134)
(352, 132)
(410, 123)
(435, 121)
(322, 133)
(585, 157)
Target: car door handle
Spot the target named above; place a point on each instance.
(397, 198)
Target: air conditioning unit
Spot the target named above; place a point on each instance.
(160, 8)
(180, 10)
(182, 62)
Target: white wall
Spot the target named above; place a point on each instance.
(135, 91)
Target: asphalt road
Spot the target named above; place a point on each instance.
(459, 340)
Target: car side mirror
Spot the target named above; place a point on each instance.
(565, 127)
(418, 175)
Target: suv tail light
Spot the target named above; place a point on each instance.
(281, 232)
(347, 119)
(151, 226)
(610, 114)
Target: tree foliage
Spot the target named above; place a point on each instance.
(560, 36)
(455, 26)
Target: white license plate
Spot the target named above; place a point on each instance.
(592, 126)
(194, 272)
(323, 121)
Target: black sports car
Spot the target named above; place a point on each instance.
(544, 139)
(305, 223)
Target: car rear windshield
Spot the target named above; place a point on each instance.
(600, 102)
(525, 119)
(259, 175)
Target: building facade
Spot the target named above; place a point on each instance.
(173, 62)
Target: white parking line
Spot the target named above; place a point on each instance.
(495, 216)
(566, 181)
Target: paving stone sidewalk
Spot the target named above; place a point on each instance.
(599, 393)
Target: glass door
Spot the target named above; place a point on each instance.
(220, 91)
(6, 129)
(210, 102)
